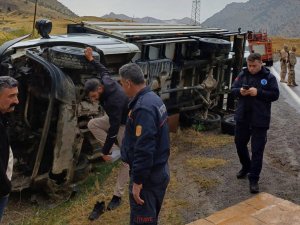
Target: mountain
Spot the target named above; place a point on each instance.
(277, 17)
(147, 19)
(45, 8)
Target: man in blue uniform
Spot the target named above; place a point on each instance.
(145, 147)
(256, 88)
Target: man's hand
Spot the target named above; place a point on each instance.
(107, 158)
(88, 53)
(244, 92)
(136, 190)
(252, 91)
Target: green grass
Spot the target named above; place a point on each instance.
(58, 214)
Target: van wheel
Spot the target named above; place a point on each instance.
(82, 169)
(71, 58)
(212, 122)
(228, 124)
(214, 45)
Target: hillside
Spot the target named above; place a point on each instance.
(46, 8)
(147, 19)
(279, 18)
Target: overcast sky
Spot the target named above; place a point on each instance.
(160, 9)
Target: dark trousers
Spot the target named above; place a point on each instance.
(258, 135)
(3, 203)
(153, 194)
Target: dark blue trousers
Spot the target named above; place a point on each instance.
(153, 193)
(3, 203)
(258, 135)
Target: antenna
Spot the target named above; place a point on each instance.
(195, 17)
(34, 17)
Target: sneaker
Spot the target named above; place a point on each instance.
(254, 188)
(98, 210)
(97, 154)
(115, 155)
(242, 174)
(114, 203)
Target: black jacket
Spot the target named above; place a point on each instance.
(5, 184)
(114, 102)
(256, 110)
(146, 146)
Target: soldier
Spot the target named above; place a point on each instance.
(284, 57)
(291, 67)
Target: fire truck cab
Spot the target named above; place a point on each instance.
(260, 43)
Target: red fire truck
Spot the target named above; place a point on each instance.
(260, 43)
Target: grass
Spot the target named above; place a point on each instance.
(13, 26)
(278, 43)
(91, 191)
(99, 187)
(194, 139)
(205, 163)
(203, 182)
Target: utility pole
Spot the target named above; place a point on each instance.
(195, 17)
(34, 17)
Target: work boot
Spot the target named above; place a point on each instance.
(254, 188)
(242, 174)
(98, 210)
(295, 84)
(114, 203)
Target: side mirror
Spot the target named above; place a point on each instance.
(43, 27)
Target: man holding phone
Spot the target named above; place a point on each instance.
(256, 88)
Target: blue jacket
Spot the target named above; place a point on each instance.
(255, 110)
(146, 146)
(114, 102)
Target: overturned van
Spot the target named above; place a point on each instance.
(187, 66)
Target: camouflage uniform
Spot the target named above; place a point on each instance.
(291, 67)
(284, 56)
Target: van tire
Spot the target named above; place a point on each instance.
(82, 169)
(212, 122)
(71, 58)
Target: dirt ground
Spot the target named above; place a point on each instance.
(280, 175)
(281, 169)
(203, 168)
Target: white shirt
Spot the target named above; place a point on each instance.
(10, 164)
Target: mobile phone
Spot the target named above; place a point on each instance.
(245, 86)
